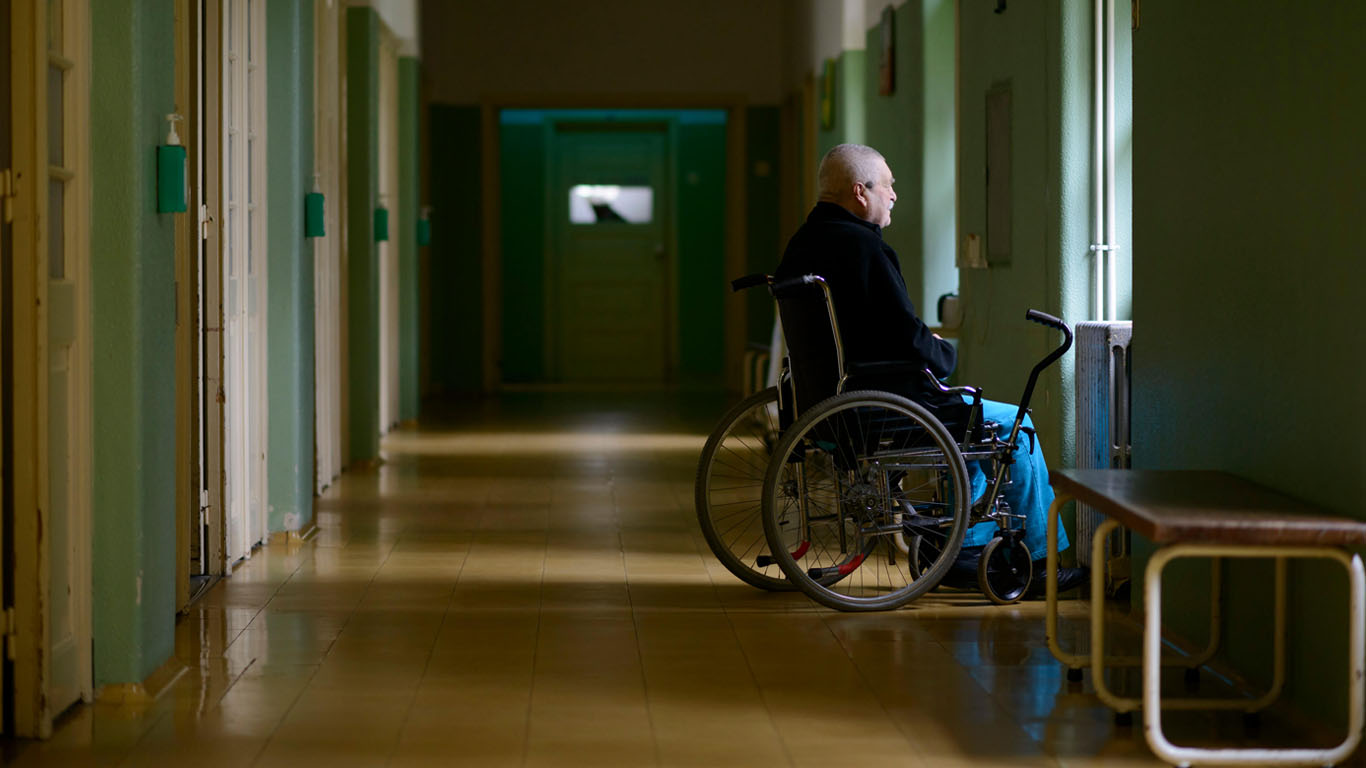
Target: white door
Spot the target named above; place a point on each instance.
(327, 249)
(68, 350)
(244, 270)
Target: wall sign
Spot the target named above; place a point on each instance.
(828, 96)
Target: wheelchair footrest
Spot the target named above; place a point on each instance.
(843, 569)
(764, 561)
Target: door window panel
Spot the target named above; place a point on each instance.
(56, 228)
(606, 203)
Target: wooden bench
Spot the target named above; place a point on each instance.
(1215, 515)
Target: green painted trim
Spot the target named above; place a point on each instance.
(289, 264)
(455, 263)
(409, 298)
(362, 161)
(939, 167)
(133, 333)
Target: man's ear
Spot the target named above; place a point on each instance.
(860, 193)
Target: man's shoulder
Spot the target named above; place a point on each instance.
(844, 236)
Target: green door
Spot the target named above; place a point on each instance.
(610, 311)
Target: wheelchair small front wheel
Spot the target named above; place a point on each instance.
(1005, 570)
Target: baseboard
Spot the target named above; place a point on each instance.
(143, 693)
(288, 538)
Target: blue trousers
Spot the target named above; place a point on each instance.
(1029, 493)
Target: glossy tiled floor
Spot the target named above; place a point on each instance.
(523, 584)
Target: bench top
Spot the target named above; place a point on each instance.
(1167, 507)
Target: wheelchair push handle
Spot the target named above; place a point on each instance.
(750, 281)
(1045, 319)
(1041, 318)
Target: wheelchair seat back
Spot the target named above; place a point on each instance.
(818, 369)
(815, 353)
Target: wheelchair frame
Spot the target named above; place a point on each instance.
(872, 505)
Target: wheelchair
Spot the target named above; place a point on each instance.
(864, 499)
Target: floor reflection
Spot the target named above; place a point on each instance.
(522, 582)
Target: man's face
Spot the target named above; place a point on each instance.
(879, 196)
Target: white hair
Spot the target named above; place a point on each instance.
(845, 165)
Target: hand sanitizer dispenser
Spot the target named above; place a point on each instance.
(382, 221)
(172, 189)
(313, 210)
(424, 226)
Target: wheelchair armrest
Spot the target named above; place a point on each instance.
(883, 368)
(750, 281)
(976, 392)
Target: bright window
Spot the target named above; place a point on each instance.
(603, 203)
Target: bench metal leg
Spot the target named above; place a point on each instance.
(1072, 660)
(1100, 661)
(1097, 659)
(1152, 651)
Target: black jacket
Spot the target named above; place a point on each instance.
(877, 319)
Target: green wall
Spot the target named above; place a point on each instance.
(1043, 50)
(765, 240)
(913, 127)
(700, 176)
(409, 298)
(455, 262)
(699, 145)
(850, 89)
(522, 149)
(1248, 288)
(362, 161)
(289, 282)
(133, 303)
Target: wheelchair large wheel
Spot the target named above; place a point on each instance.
(729, 489)
(855, 480)
(1005, 570)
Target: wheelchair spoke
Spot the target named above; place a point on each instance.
(871, 469)
(729, 490)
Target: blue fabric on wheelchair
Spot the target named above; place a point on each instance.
(1029, 494)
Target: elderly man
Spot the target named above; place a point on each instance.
(842, 242)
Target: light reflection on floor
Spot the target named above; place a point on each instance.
(522, 583)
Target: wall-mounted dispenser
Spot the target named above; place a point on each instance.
(424, 227)
(313, 210)
(382, 222)
(172, 189)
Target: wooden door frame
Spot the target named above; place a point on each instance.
(188, 339)
(212, 332)
(29, 372)
(492, 239)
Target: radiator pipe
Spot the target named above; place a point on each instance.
(1111, 303)
(1098, 161)
(1105, 302)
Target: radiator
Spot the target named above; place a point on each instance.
(1103, 435)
